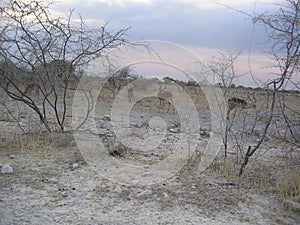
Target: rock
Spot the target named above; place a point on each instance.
(116, 153)
(65, 194)
(102, 131)
(53, 172)
(106, 118)
(165, 195)
(12, 156)
(174, 130)
(116, 192)
(75, 166)
(134, 182)
(175, 124)
(144, 194)
(6, 169)
(206, 134)
(65, 166)
(25, 219)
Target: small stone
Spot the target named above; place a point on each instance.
(174, 130)
(53, 172)
(134, 182)
(75, 165)
(106, 118)
(116, 192)
(12, 156)
(65, 194)
(144, 194)
(25, 219)
(206, 134)
(65, 166)
(102, 131)
(105, 210)
(6, 169)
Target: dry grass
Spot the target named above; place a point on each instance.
(36, 142)
(264, 178)
(288, 185)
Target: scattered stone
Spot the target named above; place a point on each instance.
(105, 210)
(116, 192)
(102, 131)
(116, 153)
(53, 172)
(6, 169)
(65, 166)
(75, 166)
(133, 124)
(12, 156)
(148, 174)
(65, 194)
(106, 118)
(144, 194)
(25, 219)
(165, 195)
(175, 124)
(205, 133)
(232, 184)
(134, 182)
(174, 130)
(101, 123)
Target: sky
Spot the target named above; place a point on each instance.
(202, 26)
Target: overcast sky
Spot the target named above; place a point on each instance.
(203, 26)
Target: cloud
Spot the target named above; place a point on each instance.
(203, 23)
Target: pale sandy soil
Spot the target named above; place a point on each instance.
(53, 182)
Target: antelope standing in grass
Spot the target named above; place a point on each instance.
(165, 96)
(234, 103)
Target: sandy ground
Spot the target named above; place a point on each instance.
(55, 182)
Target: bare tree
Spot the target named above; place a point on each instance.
(283, 32)
(118, 79)
(224, 71)
(50, 52)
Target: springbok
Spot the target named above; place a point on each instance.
(234, 103)
(32, 87)
(165, 95)
(130, 92)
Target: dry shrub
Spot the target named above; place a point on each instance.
(19, 143)
(59, 139)
(288, 185)
(36, 142)
(283, 180)
(228, 167)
